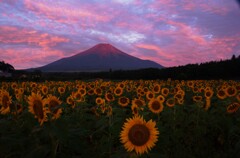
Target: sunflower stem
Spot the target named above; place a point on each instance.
(174, 117)
(110, 117)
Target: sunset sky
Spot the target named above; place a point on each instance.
(170, 32)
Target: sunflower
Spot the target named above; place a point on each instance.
(178, 96)
(54, 106)
(18, 97)
(70, 101)
(123, 101)
(197, 98)
(208, 93)
(118, 91)
(44, 90)
(129, 89)
(165, 92)
(145, 89)
(238, 97)
(98, 91)
(109, 97)
(155, 106)
(14, 85)
(33, 85)
(99, 101)
(91, 85)
(233, 107)
(90, 91)
(142, 93)
(78, 96)
(180, 91)
(5, 102)
(139, 135)
(170, 102)
(138, 102)
(150, 95)
(196, 90)
(190, 84)
(231, 91)
(161, 98)
(156, 88)
(180, 101)
(82, 91)
(21, 90)
(139, 89)
(37, 107)
(122, 85)
(16, 91)
(221, 94)
(61, 90)
(134, 108)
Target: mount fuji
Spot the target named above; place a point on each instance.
(101, 57)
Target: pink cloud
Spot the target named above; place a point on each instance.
(22, 58)
(67, 14)
(215, 7)
(14, 35)
(162, 56)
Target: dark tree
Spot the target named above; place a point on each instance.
(233, 57)
(5, 67)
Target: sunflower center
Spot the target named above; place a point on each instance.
(139, 134)
(99, 101)
(178, 96)
(82, 91)
(123, 100)
(156, 89)
(221, 93)
(118, 91)
(231, 91)
(161, 98)
(150, 95)
(165, 91)
(78, 96)
(156, 105)
(69, 100)
(45, 90)
(139, 103)
(98, 90)
(171, 101)
(208, 94)
(38, 109)
(109, 96)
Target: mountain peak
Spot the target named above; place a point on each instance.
(103, 49)
(103, 45)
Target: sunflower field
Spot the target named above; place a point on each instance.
(129, 118)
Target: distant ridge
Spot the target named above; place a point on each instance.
(101, 57)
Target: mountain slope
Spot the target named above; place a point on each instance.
(101, 57)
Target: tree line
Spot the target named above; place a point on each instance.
(224, 69)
